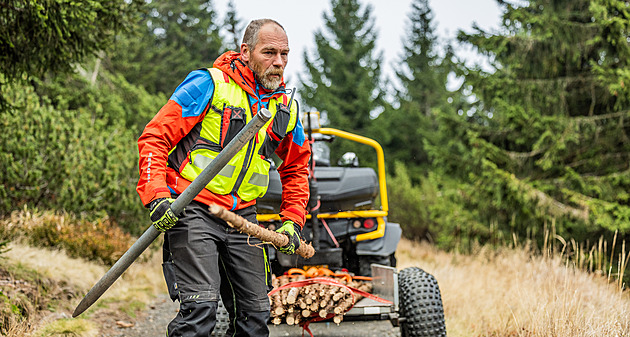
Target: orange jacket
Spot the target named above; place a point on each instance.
(183, 111)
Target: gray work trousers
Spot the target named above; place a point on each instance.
(204, 258)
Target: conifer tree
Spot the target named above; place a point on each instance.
(343, 74)
(422, 74)
(173, 39)
(234, 27)
(548, 138)
(422, 71)
(406, 130)
(48, 37)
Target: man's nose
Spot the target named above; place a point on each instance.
(278, 60)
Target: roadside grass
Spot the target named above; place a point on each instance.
(137, 286)
(99, 240)
(48, 262)
(512, 292)
(54, 264)
(68, 327)
(562, 290)
(62, 256)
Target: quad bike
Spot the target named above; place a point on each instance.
(349, 231)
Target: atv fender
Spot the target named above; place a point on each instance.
(384, 246)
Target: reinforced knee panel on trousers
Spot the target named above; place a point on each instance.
(249, 324)
(194, 319)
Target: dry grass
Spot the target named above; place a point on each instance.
(506, 292)
(67, 273)
(141, 281)
(510, 293)
(55, 264)
(137, 286)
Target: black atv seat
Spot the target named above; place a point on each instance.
(339, 189)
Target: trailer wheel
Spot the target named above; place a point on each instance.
(223, 321)
(420, 304)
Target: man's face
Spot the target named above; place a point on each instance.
(268, 59)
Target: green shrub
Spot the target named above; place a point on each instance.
(73, 147)
(407, 204)
(434, 210)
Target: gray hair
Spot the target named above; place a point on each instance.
(250, 38)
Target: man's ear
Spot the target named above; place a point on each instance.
(245, 52)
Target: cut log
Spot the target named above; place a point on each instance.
(292, 295)
(293, 319)
(343, 305)
(279, 240)
(278, 311)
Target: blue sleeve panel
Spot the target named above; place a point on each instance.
(194, 93)
(298, 133)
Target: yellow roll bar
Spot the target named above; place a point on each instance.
(378, 214)
(380, 157)
(348, 214)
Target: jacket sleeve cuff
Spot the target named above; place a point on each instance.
(159, 193)
(293, 215)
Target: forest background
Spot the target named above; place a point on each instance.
(534, 148)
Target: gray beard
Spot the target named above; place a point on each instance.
(269, 83)
(265, 79)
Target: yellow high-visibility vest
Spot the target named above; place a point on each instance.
(247, 174)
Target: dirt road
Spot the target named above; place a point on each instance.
(153, 321)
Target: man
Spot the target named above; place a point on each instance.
(203, 256)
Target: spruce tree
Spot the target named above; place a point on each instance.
(422, 74)
(422, 71)
(406, 131)
(547, 140)
(173, 39)
(233, 27)
(39, 38)
(343, 74)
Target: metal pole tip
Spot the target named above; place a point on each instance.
(266, 114)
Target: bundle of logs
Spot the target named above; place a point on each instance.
(324, 298)
(330, 295)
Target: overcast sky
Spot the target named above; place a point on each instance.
(302, 18)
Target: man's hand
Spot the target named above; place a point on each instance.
(293, 231)
(162, 215)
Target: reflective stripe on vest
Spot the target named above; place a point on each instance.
(247, 173)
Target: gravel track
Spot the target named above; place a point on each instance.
(153, 321)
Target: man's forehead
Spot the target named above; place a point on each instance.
(271, 36)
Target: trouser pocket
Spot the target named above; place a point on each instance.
(171, 282)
